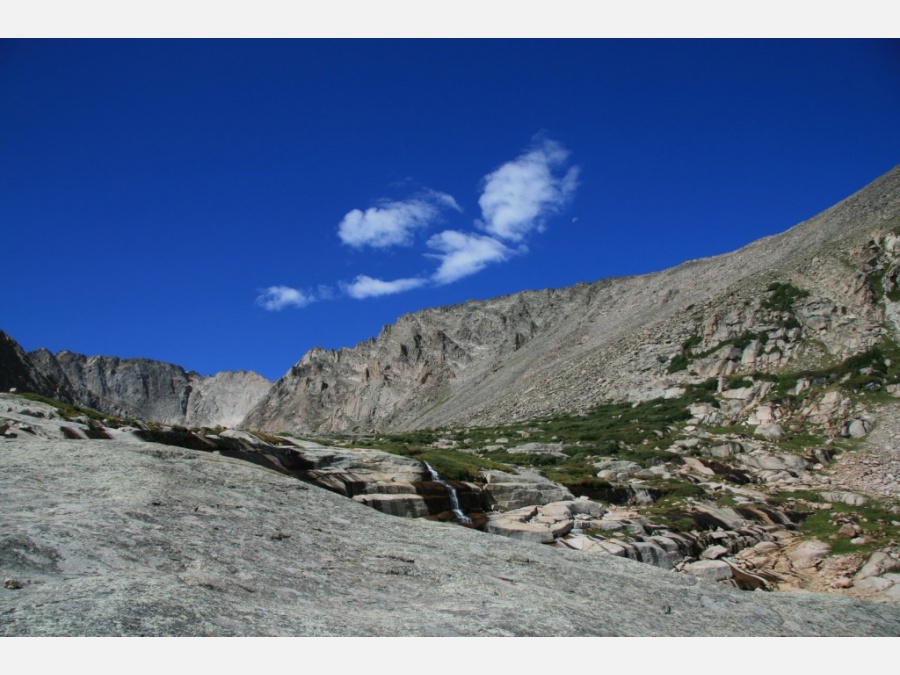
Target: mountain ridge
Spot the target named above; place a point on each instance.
(571, 345)
(138, 388)
(527, 354)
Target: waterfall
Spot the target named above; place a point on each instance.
(454, 500)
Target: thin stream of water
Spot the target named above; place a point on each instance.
(454, 500)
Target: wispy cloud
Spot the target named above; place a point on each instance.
(464, 254)
(519, 196)
(516, 200)
(367, 287)
(275, 298)
(393, 223)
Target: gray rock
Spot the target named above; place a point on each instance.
(404, 505)
(651, 553)
(878, 563)
(858, 428)
(724, 450)
(714, 552)
(504, 491)
(618, 466)
(146, 389)
(771, 430)
(585, 506)
(120, 538)
(808, 554)
(849, 498)
(709, 570)
(872, 584)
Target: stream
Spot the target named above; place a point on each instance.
(454, 499)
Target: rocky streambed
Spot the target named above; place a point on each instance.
(748, 546)
(120, 536)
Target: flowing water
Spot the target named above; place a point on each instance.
(454, 500)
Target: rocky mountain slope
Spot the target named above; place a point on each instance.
(102, 533)
(734, 420)
(137, 388)
(538, 353)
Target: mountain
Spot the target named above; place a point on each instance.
(18, 372)
(822, 290)
(734, 419)
(137, 388)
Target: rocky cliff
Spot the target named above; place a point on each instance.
(822, 290)
(137, 388)
(18, 372)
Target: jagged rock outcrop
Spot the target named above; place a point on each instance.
(137, 388)
(19, 373)
(818, 290)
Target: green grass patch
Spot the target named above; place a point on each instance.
(797, 443)
(874, 519)
(450, 464)
(793, 496)
(679, 362)
(783, 296)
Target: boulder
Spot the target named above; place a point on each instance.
(857, 428)
(652, 553)
(504, 491)
(878, 563)
(714, 552)
(849, 498)
(404, 505)
(831, 406)
(709, 570)
(695, 464)
(872, 584)
(770, 430)
(763, 414)
(514, 529)
(585, 506)
(766, 462)
(742, 394)
(617, 469)
(728, 519)
(725, 450)
(808, 554)
(557, 510)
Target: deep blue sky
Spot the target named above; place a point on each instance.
(151, 191)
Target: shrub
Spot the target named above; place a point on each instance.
(783, 297)
(679, 362)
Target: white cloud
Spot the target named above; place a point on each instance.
(393, 223)
(464, 254)
(275, 298)
(516, 200)
(367, 287)
(521, 193)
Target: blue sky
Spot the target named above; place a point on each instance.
(228, 205)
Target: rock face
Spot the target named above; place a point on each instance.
(506, 491)
(223, 399)
(121, 537)
(18, 372)
(638, 338)
(137, 388)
